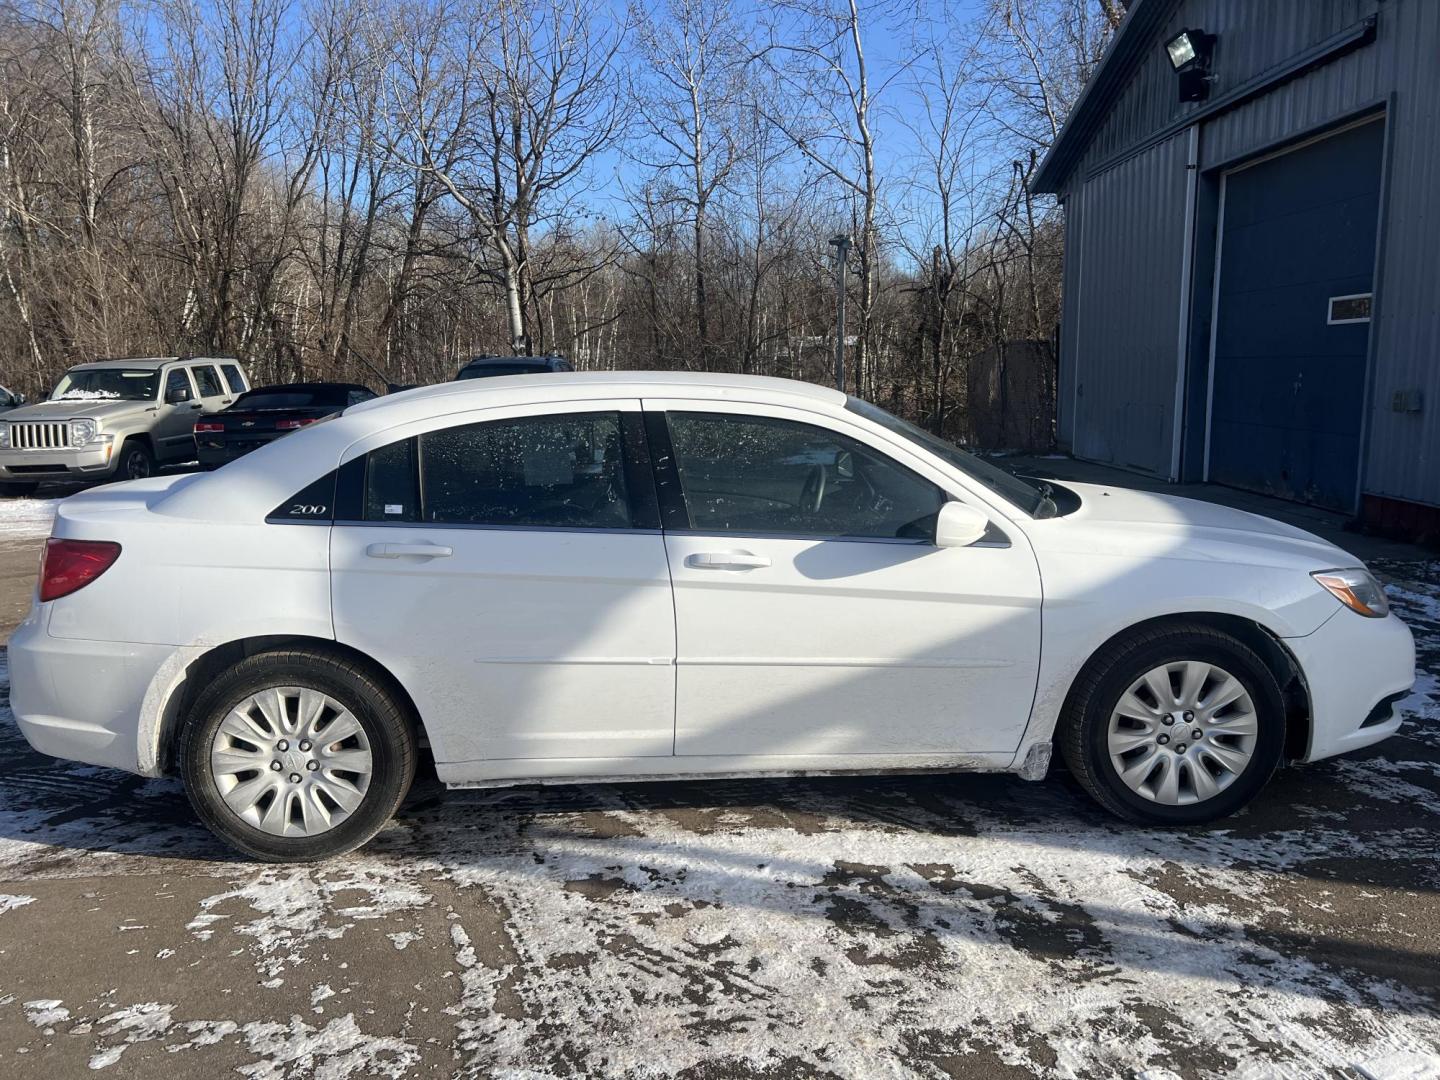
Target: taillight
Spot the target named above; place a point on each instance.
(291, 425)
(202, 426)
(68, 565)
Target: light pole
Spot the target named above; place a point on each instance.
(841, 244)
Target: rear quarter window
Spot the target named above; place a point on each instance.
(313, 503)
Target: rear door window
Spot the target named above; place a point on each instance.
(562, 471)
(233, 378)
(392, 490)
(208, 380)
(554, 471)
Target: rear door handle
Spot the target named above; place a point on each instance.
(726, 560)
(400, 551)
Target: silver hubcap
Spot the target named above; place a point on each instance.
(291, 761)
(1182, 733)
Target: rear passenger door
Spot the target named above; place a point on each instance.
(214, 395)
(509, 569)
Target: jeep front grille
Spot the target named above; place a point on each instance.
(39, 435)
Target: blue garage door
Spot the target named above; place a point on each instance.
(1289, 375)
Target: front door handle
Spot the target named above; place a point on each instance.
(400, 551)
(726, 560)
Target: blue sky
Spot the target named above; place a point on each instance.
(895, 34)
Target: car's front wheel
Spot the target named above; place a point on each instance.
(1175, 725)
(296, 755)
(136, 461)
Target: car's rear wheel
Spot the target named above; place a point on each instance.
(1175, 725)
(297, 755)
(136, 461)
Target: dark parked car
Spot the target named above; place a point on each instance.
(262, 415)
(487, 367)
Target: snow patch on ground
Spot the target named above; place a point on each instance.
(9, 902)
(46, 1012)
(338, 1050)
(1402, 1065)
(296, 909)
(26, 519)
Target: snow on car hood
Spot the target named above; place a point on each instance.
(1113, 518)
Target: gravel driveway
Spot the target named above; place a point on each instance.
(969, 926)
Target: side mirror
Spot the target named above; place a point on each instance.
(177, 395)
(959, 525)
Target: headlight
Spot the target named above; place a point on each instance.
(4, 436)
(1357, 590)
(83, 431)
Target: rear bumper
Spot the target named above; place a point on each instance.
(1352, 665)
(83, 700)
(212, 454)
(35, 465)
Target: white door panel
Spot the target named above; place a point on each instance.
(519, 643)
(852, 647)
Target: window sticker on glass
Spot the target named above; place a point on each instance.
(1350, 309)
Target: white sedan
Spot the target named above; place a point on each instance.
(638, 576)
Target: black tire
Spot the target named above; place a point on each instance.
(135, 461)
(1083, 729)
(386, 725)
(18, 490)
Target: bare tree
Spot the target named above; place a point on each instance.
(816, 50)
(688, 99)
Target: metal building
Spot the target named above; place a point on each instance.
(1252, 261)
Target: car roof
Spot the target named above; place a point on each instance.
(149, 361)
(560, 385)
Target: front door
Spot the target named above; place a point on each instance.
(1292, 323)
(174, 430)
(815, 616)
(511, 574)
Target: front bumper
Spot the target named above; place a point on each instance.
(1351, 666)
(37, 465)
(82, 700)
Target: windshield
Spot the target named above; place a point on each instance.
(1033, 499)
(108, 384)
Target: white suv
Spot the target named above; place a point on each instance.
(114, 419)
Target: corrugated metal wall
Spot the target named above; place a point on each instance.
(1069, 325)
(1131, 261)
(1133, 213)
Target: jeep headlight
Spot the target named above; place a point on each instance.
(4, 436)
(83, 431)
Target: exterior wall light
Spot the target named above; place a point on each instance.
(1190, 52)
